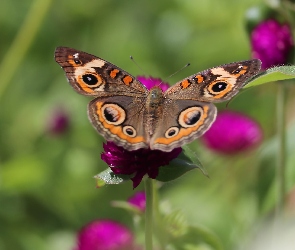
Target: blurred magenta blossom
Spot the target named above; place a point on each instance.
(271, 42)
(142, 161)
(138, 200)
(58, 123)
(105, 235)
(151, 82)
(232, 133)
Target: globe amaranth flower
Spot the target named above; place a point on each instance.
(232, 133)
(138, 200)
(271, 43)
(137, 162)
(142, 161)
(105, 235)
(59, 122)
(151, 82)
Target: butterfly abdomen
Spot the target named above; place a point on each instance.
(153, 109)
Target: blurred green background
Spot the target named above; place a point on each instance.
(47, 190)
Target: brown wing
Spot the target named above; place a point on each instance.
(182, 122)
(91, 75)
(217, 84)
(120, 119)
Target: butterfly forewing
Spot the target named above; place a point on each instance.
(217, 84)
(91, 75)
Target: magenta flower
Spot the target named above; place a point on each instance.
(138, 200)
(142, 161)
(138, 162)
(105, 235)
(232, 133)
(151, 82)
(271, 43)
(59, 122)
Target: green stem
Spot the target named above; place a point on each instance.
(159, 227)
(149, 214)
(22, 41)
(281, 181)
(287, 9)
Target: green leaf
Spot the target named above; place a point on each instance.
(271, 75)
(198, 237)
(176, 223)
(191, 156)
(185, 162)
(109, 177)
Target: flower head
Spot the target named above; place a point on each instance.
(232, 133)
(138, 200)
(105, 235)
(151, 82)
(138, 162)
(271, 43)
(59, 122)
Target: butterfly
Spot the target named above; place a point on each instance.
(126, 112)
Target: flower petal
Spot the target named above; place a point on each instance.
(271, 43)
(105, 235)
(152, 82)
(232, 133)
(138, 162)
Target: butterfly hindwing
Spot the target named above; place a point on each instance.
(120, 119)
(183, 121)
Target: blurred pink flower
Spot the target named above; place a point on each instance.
(105, 235)
(232, 133)
(59, 122)
(151, 82)
(138, 200)
(271, 42)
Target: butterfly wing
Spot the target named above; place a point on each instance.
(117, 111)
(182, 122)
(120, 119)
(188, 111)
(91, 75)
(217, 84)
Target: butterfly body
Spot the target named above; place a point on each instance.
(126, 112)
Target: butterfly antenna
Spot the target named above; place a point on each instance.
(132, 59)
(150, 78)
(185, 66)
